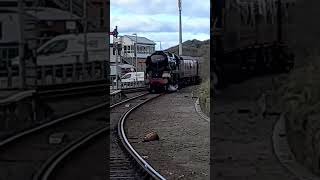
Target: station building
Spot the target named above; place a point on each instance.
(145, 47)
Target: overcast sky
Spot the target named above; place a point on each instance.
(158, 20)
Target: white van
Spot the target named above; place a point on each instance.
(69, 48)
(132, 77)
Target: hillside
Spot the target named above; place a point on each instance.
(193, 48)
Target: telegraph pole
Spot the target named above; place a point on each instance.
(70, 8)
(180, 29)
(115, 46)
(279, 14)
(85, 21)
(21, 45)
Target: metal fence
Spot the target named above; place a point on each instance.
(63, 74)
(54, 74)
(125, 85)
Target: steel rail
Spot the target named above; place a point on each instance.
(121, 132)
(50, 164)
(58, 120)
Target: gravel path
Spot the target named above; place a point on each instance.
(242, 136)
(183, 148)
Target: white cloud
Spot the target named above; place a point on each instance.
(159, 23)
(158, 19)
(189, 7)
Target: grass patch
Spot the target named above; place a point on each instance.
(300, 99)
(204, 97)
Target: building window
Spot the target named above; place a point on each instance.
(13, 52)
(4, 53)
(0, 30)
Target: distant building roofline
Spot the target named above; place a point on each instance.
(141, 39)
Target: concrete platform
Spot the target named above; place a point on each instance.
(112, 92)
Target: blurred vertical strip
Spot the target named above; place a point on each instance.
(107, 75)
(212, 54)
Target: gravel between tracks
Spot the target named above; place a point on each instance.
(89, 162)
(74, 104)
(183, 148)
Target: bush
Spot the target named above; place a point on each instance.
(205, 97)
(300, 99)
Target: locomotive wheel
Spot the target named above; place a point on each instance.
(150, 90)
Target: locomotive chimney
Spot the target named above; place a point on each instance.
(180, 29)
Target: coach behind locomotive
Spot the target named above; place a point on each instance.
(252, 38)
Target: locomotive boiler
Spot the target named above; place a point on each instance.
(167, 71)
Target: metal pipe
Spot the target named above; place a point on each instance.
(21, 46)
(180, 29)
(71, 8)
(136, 54)
(85, 30)
(115, 46)
(279, 14)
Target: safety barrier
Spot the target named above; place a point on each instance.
(115, 97)
(18, 111)
(125, 85)
(54, 74)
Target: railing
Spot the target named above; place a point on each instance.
(125, 85)
(54, 74)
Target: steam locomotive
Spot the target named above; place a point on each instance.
(166, 71)
(251, 38)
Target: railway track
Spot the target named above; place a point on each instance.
(120, 166)
(22, 154)
(82, 89)
(125, 163)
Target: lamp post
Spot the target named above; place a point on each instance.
(136, 54)
(21, 45)
(180, 29)
(85, 22)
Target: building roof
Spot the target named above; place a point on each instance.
(141, 40)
